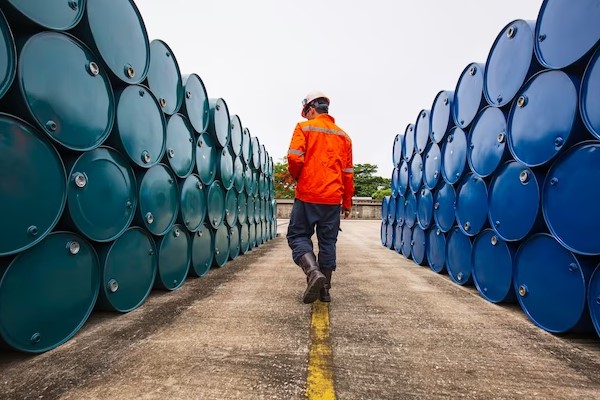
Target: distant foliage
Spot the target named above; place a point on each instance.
(285, 186)
(380, 194)
(366, 183)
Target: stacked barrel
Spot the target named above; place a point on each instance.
(498, 182)
(118, 174)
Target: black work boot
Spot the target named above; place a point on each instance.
(314, 278)
(324, 293)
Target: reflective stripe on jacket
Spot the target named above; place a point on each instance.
(320, 160)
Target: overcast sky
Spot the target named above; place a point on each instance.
(380, 61)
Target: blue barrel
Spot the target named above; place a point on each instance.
(219, 125)
(406, 241)
(441, 115)
(472, 204)
(33, 190)
(231, 208)
(140, 128)
(215, 200)
(383, 232)
(432, 166)
(207, 158)
(192, 203)
(408, 146)
(551, 283)
(242, 208)
(174, 256)
(203, 250)
(56, 15)
(594, 299)
(454, 155)
(422, 129)
(510, 62)
(385, 203)
(158, 199)
(238, 175)
(487, 142)
(400, 210)
(589, 96)
(416, 173)
(8, 58)
(424, 208)
(458, 257)
(397, 149)
(389, 236)
(244, 238)
(394, 181)
(570, 198)
(101, 194)
(417, 248)
(164, 77)
(403, 176)
(444, 206)
(391, 210)
(195, 102)
(127, 270)
(545, 118)
(398, 238)
(410, 213)
(52, 64)
(47, 292)
(221, 246)
(235, 144)
(566, 32)
(468, 95)
(234, 242)
(225, 168)
(514, 201)
(493, 267)
(436, 249)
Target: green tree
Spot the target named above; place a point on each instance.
(366, 183)
(285, 185)
(380, 194)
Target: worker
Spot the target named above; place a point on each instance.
(320, 161)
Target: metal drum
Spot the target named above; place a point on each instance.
(158, 199)
(566, 32)
(397, 149)
(468, 95)
(416, 173)
(424, 208)
(544, 119)
(493, 267)
(551, 283)
(203, 250)
(417, 248)
(394, 182)
(514, 201)
(444, 206)
(8, 56)
(238, 174)
(255, 149)
(389, 236)
(594, 299)
(244, 238)
(235, 144)
(510, 62)
(180, 146)
(195, 102)
(454, 155)
(487, 142)
(225, 171)
(139, 131)
(231, 208)
(570, 198)
(242, 208)
(398, 238)
(250, 203)
(47, 292)
(406, 241)
(234, 242)
(33, 185)
(174, 256)
(192, 203)
(385, 204)
(101, 194)
(391, 210)
(410, 213)
(432, 166)
(246, 146)
(400, 210)
(66, 91)
(215, 201)
(422, 129)
(206, 158)
(472, 204)
(56, 15)
(164, 77)
(589, 97)
(441, 115)
(436, 249)
(458, 257)
(128, 269)
(221, 246)
(383, 233)
(408, 145)
(219, 125)
(403, 178)
(252, 236)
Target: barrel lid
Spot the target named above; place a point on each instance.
(441, 115)
(174, 255)
(394, 181)
(119, 33)
(221, 245)
(242, 208)
(236, 135)
(140, 126)
(53, 63)
(487, 141)
(33, 193)
(246, 146)
(248, 180)
(216, 204)
(196, 102)
(589, 98)
(471, 204)
(180, 146)
(444, 206)
(422, 128)
(255, 164)
(251, 204)
(418, 246)
(514, 201)
(202, 250)
(385, 204)
(397, 149)
(101, 194)
(158, 199)
(231, 207)
(234, 242)
(398, 238)
(408, 146)
(219, 124)
(410, 214)
(57, 15)
(403, 178)
(164, 77)
(436, 249)
(454, 155)
(244, 238)
(594, 299)
(192, 202)
(400, 210)
(468, 95)
(391, 210)
(238, 174)
(264, 156)
(206, 158)
(416, 173)
(543, 117)
(48, 292)
(389, 236)
(8, 56)
(226, 174)
(432, 167)
(458, 256)
(492, 267)
(406, 241)
(424, 208)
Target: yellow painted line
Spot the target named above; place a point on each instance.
(319, 382)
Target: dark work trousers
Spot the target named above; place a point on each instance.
(305, 217)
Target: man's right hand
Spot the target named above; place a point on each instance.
(345, 212)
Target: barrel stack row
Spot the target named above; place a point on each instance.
(498, 183)
(118, 174)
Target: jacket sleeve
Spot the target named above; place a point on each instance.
(296, 152)
(348, 179)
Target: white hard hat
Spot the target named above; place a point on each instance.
(315, 94)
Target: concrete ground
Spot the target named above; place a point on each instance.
(397, 331)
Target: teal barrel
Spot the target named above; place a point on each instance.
(140, 128)
(221, 245)
(158, 197)
(248, 179)
(246, 144)
(192, 203)
(128, 270)
(235, 142)
(219, 125)
(250, 214)
(231, 208)
(8, 56)
(101, 194)
(32, 185)
(255, 160)
(47, 292)
(242, 208)
(115, 30)
(195, 102)
(234, 242)
(164, 77)
(180, 152)
(174, 257)
(215, 203)
(65, 90)
(264, 156)
(206, 158)
(225, 168)
(244, 238)
(251, 236)
(203, 250)
(238, 174)
(56, 15)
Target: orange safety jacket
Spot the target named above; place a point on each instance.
(320, 160)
